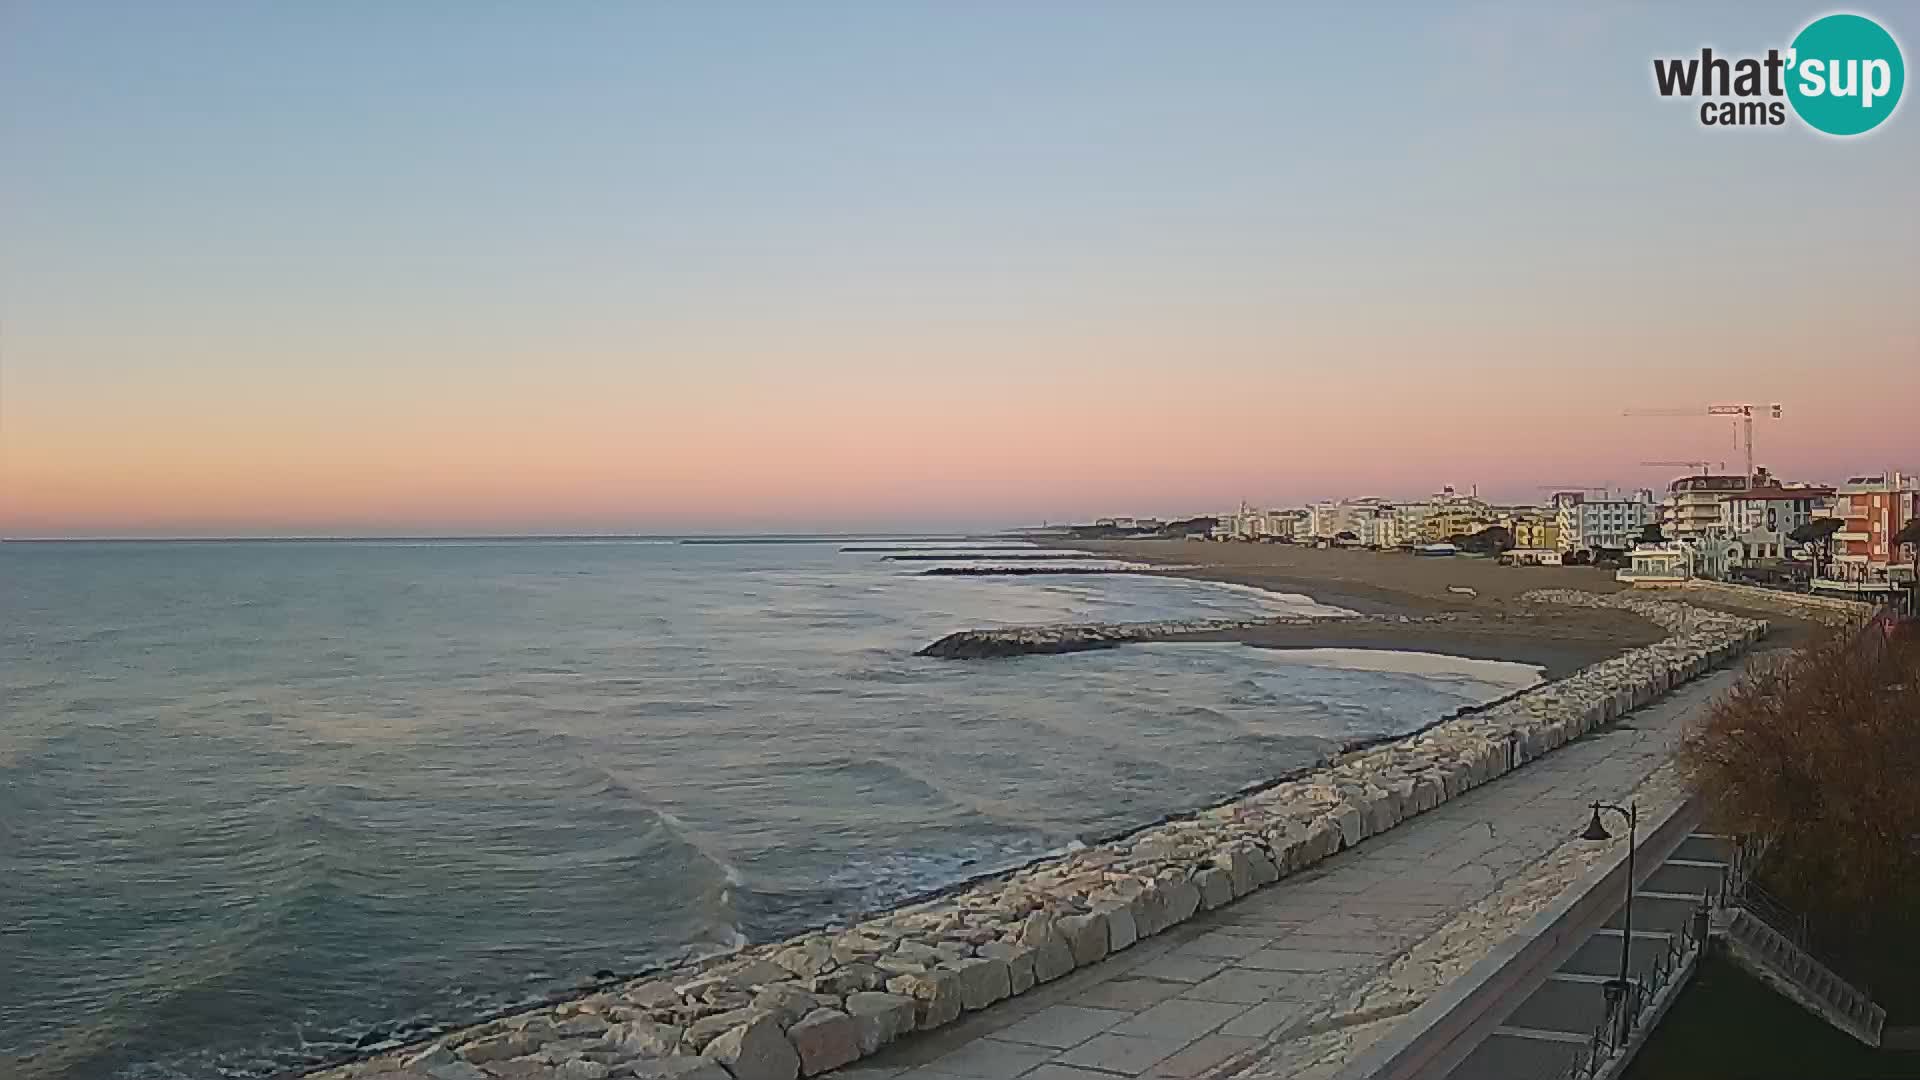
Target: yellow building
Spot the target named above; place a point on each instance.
(1462, 518)
(1536, 532)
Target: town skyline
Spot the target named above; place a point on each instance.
(374, 271)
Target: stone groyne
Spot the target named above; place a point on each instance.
(1078, 637)
(825, 999)
(1004, 556)
(1042, 571)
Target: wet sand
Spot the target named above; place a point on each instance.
(1492, 624)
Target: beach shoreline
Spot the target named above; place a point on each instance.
(1492, 623)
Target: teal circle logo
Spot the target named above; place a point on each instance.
(1845, 74)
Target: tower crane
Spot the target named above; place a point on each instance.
(1701, 465)
(1744, 429)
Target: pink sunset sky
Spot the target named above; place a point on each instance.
(662, 270)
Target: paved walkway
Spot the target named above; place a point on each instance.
(1229, 982)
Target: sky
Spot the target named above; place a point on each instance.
(363, 268)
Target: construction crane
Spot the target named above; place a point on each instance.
(1701, 465)
(1744, 425)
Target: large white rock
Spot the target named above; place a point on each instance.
(1122, 931)
(1216, 887)
(983, 981)
(644, 1038)
(756, 1050)
(880, 1018)
(1086, 937)
(935, 994)
(675, 1068)
(1053, 957)
(1352, 825)
(825, 1039)
(1238, 867)
(1019, 960)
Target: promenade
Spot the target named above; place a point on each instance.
(1291, 981)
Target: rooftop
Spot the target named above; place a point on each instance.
(1777, 493)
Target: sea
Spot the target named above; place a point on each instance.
(264, 802)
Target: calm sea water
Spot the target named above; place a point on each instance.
(258, 800)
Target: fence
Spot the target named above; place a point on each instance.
(1628, 1002)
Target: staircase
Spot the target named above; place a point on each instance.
(1784, 964)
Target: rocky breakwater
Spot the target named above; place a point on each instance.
(824, 999)
(1076, 637)
(1006, 570)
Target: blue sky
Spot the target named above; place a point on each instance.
(262, 255)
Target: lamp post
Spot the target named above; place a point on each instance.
(1597, 830)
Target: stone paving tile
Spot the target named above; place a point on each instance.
(1185, 1019)
(1061, 1026)
(1057, 1071)
(1201, 1055)
(990, 1059)
(1263, 1019)
(1247, 986)
(1344, 924)
(1128, 1055)
(1129, 993)
(1185, 969)
(1379, 943)
(1282, 958)
(1222, 945)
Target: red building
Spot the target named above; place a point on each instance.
(1874, 508)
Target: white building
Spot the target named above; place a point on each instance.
(1658, 564)
(1762, 518)
(1249, 523)
(1692, 505)
(1371, 521)
(1589, 520)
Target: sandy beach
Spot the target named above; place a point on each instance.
(1491, 624)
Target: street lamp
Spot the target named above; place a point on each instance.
(1597, 830)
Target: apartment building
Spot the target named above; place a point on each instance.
(1537, 531)
(1590, 520)
(1762, 518)
(1692, 506)
(1874, 508)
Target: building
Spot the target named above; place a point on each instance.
(1450, 514)
(1529, 556)
(1536, 531)
(1371, 521)
(1382, 527)
(1591, 520)
(1865, 558)
(1249, 523)
(1773, 508)
(1692, 505)
(1762, 518)
(1282, 525)
(1658, 564)
(1329, 519)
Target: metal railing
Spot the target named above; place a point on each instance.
(1627, 1002)
(1623, 1014)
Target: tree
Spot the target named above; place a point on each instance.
(1817, 750)
(1909, 534)
(1491, 540)
(1818, 536)
(1582, 557)
(1650, 533)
